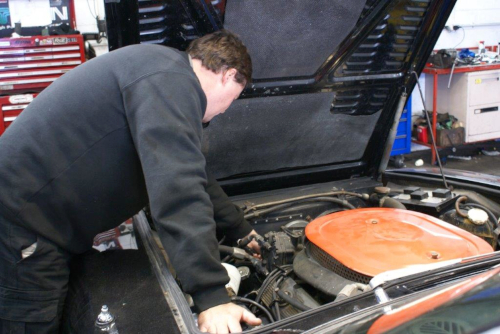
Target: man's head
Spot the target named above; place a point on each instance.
(223, 66)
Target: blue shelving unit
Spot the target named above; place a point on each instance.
(402, 143)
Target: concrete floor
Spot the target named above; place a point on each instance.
(478, 163)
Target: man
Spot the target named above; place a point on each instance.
(88, 153)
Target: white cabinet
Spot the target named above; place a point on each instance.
(473, 98)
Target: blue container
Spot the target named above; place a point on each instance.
(402, 143)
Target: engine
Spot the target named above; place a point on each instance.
(308, 262)
(354, 246)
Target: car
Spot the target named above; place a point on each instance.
(347, 245)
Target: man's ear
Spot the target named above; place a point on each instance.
(228, 75)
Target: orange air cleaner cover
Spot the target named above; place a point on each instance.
(374, 240)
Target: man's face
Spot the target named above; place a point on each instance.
(224, 93)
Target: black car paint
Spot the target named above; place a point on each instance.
(191, 18)
(180, 21)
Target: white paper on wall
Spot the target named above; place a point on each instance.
(31, 13)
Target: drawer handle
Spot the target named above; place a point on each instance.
(485, 110)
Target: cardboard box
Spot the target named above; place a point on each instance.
(452, 137)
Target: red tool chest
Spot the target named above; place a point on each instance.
(11, 107)
(29, 64)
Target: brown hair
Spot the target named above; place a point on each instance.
(223, 50)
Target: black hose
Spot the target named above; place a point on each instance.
(275, 302)
(226, 249)
(250, 293)
(292, 301)
(338, 201)
(327, 212)
(343, 203)
(257, 305)
(270, 278)
(277, 310)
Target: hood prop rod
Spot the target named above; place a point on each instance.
(392, 134)
(432, 133)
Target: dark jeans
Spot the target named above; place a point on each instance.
(33, 289)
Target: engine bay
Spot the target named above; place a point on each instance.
(326, 251)
(327, 246)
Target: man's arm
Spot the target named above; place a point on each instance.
(228, 216)
(164, 112)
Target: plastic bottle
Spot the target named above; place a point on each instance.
(105, 322)
(481, 48)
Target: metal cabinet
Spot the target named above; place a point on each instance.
(11, 107)
(29, 64)
(473, 98)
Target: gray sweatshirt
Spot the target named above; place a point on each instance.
(88, 152)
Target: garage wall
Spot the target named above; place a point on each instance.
(86, 11)
(480, 20)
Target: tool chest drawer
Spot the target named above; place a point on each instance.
(29, 64)
(484, 88)
(11, 107)
(483, 119)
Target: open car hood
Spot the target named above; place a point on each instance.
(329, 76)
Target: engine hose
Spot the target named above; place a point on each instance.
(460, 200)
(257, 305)
(276, 306)
(226, 249)
(388, 202)
(290, 200)
(327, 212)
(277, 310)
(268, 210)
(480, 199)
(338, 201)
(292, 301)
(343, 203)
(270, 278)
(274, 275)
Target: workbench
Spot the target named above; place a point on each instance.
(435, 72)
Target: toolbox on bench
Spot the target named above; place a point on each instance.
(29, 64)
(11, 107)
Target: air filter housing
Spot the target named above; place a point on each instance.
(359, 244)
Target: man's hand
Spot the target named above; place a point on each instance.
(253, 245)
(226, 318)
